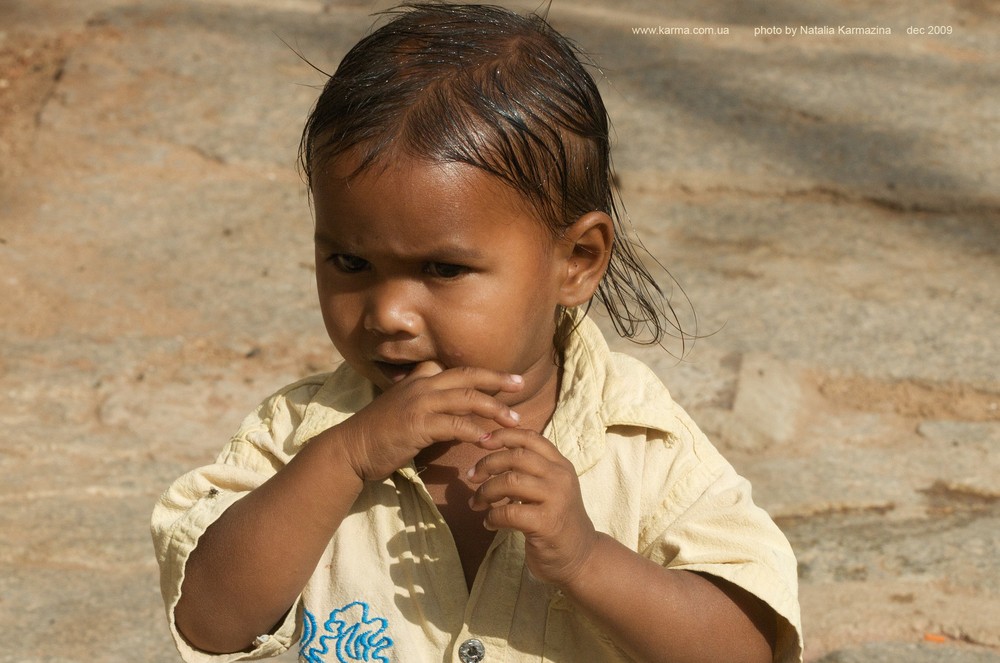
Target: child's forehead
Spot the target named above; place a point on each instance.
(418, 182)
(423, 210)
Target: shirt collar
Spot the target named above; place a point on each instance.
(344, 393)
(599, 390)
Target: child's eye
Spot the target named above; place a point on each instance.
(348, 263)
(444, 270)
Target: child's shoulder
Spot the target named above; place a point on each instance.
(627, 390)
(299, 393)
(633, 390)
(626, 368)
(296, 412)
(328, 388)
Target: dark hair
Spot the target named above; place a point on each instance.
(481, 85)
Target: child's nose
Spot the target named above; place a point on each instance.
(391, 309)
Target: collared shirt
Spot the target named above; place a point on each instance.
(390, 585)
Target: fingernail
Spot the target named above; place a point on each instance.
(515, 416)
(470, 472)
(516, 379)
(485, 437)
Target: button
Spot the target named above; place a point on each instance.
(472, 651)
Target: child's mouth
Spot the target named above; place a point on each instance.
(395, 371)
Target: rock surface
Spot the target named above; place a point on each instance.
(829, 202)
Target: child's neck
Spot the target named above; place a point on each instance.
(536, 410)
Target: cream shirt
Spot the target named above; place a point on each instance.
(390, 585)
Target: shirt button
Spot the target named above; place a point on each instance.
(472, 651)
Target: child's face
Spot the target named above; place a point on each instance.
(435, 262)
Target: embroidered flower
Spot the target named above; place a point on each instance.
(354, 636)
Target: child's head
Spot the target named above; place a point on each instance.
(501, 93)
(473, 84)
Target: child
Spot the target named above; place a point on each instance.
(481, 479)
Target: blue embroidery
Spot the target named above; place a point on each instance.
(355, 636)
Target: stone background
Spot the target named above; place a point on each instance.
(831, 205)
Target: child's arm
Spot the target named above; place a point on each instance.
(251, 564)
(661, 614)
(654, 613)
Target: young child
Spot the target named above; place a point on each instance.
(481, 479)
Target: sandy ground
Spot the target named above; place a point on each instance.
(828, 201)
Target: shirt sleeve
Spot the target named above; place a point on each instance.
(196, 500)
(706, 521)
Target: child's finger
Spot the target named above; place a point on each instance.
(525, 518)
(519, 460)
(512, 486)
(485, 380)
(469, 401)
(426, 369)
(520, 438)
(446, 427)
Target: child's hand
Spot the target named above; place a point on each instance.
(529, 486)
(428, 406)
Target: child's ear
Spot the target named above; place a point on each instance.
(587, 250)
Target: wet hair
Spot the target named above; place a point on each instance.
(505, 93)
